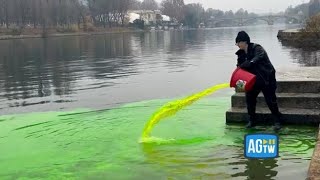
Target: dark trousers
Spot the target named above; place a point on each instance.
(269, 92)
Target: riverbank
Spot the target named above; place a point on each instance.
(314, 167)
(298, 100)
(299, 38)
(306, 74)
(288, 34)
(37, 33)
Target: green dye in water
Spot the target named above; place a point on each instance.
(172, 108)
(89, 144)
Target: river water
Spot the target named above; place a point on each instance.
(105, 71)
(75, 107)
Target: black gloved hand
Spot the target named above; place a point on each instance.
(246, 64)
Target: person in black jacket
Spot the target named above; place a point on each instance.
(253, 58)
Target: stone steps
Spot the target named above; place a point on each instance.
(299, 102)
(290, 116)
(285, 100)
(298, 87)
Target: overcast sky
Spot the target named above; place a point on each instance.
(257, 6)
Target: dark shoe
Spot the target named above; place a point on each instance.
(277, 126)
(250, 124)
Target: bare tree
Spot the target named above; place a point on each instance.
(149, 5)
(4, 12)
(43, 5)
(123, 9)
(101, 11)
(35, 13)
(64, 13)
(24, 7)
(136, 5)
(194, 15)
(173, 8)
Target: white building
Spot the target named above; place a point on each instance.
(150, 17)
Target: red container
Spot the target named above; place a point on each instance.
(247, 77)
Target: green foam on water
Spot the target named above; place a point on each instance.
(88, 143)
(173, 107)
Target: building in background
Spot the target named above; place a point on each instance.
(314, 7)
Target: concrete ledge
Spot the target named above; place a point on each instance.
(288, 34)
(299, 39)
(291, 116)
(285, 100)
(314, 167)
(7, 37)
(298, 73)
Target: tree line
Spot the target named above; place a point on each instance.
(308, 9)
(102, 13)
(23, 13)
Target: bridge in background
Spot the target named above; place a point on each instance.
(245, 21)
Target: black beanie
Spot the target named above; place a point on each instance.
(243, 36)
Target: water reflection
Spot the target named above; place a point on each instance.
(218, 162)
(305, 56)
(179, 163)
(259, 169)
(59, 68)
(51, 67)
(103, 71)
(223, 157)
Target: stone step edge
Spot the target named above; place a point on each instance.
(285, 95)
(314, 165)
(290, 116)
(291, 111)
